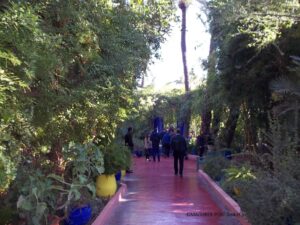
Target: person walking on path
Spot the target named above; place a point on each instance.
(147, 146)
(155, 139)
(166, 142)
(178, 145)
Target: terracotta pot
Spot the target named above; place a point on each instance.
(54, 220)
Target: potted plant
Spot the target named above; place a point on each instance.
(115, 159)
(87, 163)
(125, 163)
(118, 176)
(53, 198)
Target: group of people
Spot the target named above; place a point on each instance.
(170, 140)
(152, 141)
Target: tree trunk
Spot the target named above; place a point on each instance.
(187, 116)
(206, 111)
(215, 127)
(206, 120)
(216, 123)
(231, 126)
(55, 156)
(296, 128)
(250, 129)
(183, 8)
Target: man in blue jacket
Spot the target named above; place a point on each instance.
(166, 141)
(179, 147)
(155, 139)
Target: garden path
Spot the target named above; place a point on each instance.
(157, 197)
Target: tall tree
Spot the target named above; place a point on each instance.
(250, 36)
(183, 5)
(70, 71)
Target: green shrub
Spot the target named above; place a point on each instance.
(214, 166)
(269, 195)
(269, 200)
(7, 172)
(273, 198)
(42, 194)
(116, 158)
(7, 214)
(235, 176)
(86, 161)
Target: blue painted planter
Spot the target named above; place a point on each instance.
(79, 216)
(138, 153)
(118, 176)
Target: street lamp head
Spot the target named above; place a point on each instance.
(184, 3)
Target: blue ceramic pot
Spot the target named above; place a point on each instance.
(118, 176)
(79, 216)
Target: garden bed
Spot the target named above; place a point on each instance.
(223, 198)
(101, 208)
(227, 203)
(110, 206)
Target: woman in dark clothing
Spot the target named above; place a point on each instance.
(147, 146)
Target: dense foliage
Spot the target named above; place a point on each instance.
(252, 67)
(252, 102)
(68, 71)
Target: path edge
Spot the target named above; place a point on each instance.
(110, 206)
(221, 195)
(224, 198)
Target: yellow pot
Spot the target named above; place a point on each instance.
(106, 185)
(123, 172)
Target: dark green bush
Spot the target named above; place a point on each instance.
(235, 177)
(269, 200)
(269, 195)
(116, 158)
(214, 166)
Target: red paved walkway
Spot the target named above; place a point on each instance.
(157, 197)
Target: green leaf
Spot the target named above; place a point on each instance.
(41, 209)
(100, 169)
(55, 177)
(34, 191)
(92, 188)
(9, 56)
(82, 179)
(57, 187)
(24, 203)
(76, 193)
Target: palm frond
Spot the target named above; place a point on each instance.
(284, 85)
